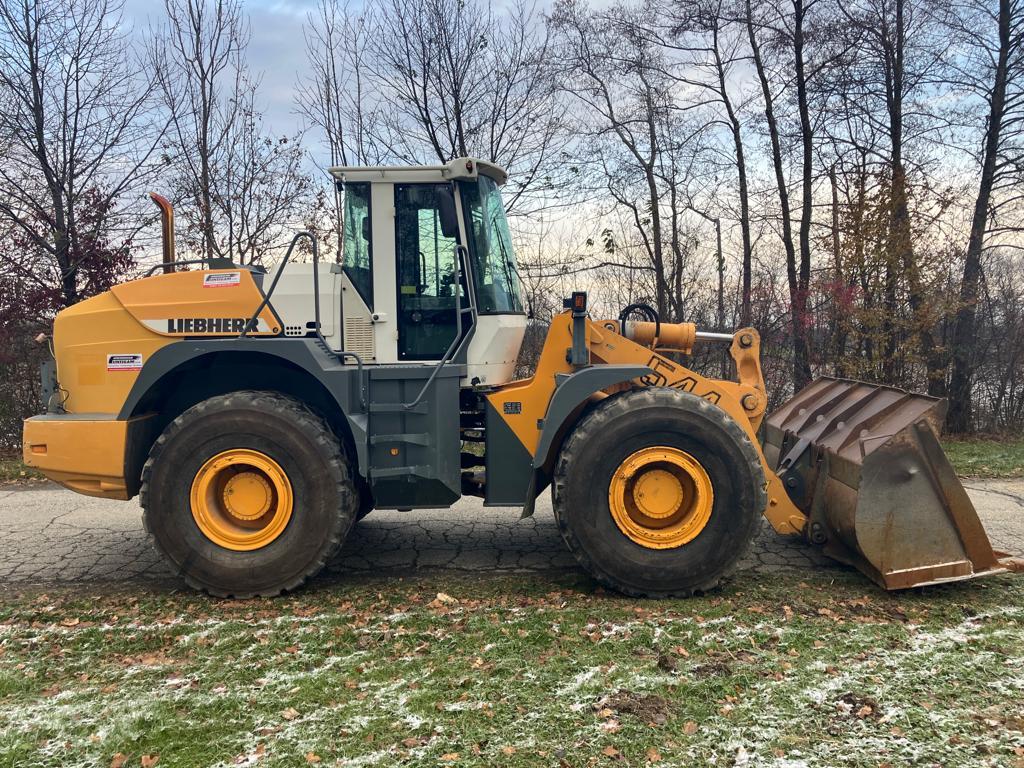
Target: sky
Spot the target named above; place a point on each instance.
(276, 53)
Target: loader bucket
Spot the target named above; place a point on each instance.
(864, 463)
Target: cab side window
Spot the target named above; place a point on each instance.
(357, 253)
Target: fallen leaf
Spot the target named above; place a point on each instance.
(148, 761)
(312, 757)
(653, 755)
(689, 728)
(610, 751)
(447, 599)
(508, 750)
(289, 714)
(450, 757)
(118, 760)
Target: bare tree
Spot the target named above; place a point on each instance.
(76, 127)
(339, 98)
(239, 184)
(901, 55)
(198, 58)
(993, 70)
(706, 33)
(259, 186)
(634, 138)
(785, 28)
(464, 79)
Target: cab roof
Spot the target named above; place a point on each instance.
(461, 168)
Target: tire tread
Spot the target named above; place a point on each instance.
(594, 423)
(304, 420)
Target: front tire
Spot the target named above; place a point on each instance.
(657, 493)
(247, 494)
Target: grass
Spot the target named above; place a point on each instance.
(518, 671)
(13, 470)
(986, 457)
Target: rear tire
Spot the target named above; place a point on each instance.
(644, 422)
(308, 490)
(366, 501)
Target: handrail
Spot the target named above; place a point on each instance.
(316, 319)
(165, 265)
(460, 251)
(316, 307)
(277, 276)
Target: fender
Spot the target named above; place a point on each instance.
(339, 381)
(572, 391)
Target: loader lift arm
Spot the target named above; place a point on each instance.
(538, 418)
(855, 468)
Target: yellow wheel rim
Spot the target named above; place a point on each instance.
(661, 497)
(241, 499)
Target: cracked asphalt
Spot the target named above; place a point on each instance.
(52, 536)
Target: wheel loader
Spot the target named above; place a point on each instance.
(258, 414)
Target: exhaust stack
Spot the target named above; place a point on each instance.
(167, 229)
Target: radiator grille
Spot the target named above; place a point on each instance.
(359, 337)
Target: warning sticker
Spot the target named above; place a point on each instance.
(222, 279)
(124, 362)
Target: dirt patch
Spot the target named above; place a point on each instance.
(647, 707)
(718, 668)
(858, 706)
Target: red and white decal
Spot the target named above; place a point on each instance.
(124, 362)
(221, 279)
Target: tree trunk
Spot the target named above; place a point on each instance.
(959, 417)
(839, 282)
(780, 174)
(741, 175)
(798, 297)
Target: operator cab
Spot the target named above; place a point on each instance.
(429, 274)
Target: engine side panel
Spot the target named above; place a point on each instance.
(202, 303)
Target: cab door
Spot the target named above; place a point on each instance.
(427, 253)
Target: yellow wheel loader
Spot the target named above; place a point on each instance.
(258, 414)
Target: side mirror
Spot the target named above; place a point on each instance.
(446, 212)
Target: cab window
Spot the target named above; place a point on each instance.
(495, 277)
(357, 256)
(427, 276)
